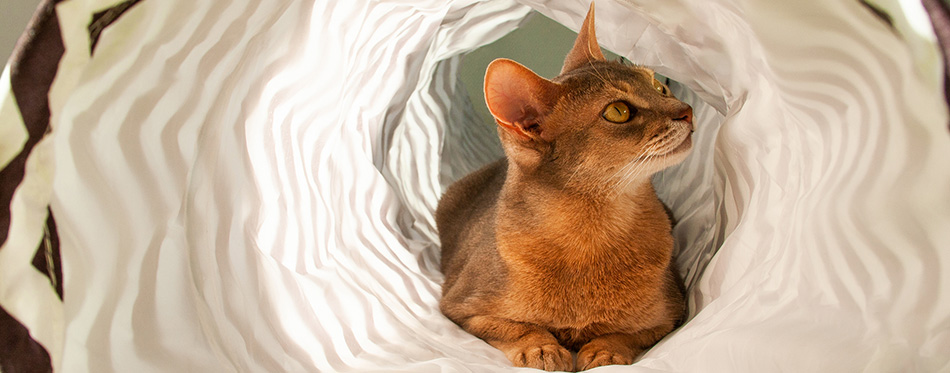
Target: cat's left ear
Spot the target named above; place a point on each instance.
(585, 48)
(519, 99)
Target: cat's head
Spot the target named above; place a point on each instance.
(599, 124)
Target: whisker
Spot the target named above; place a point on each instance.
(635, 171)
(570, 179)
(627, 168)
(631, 170)
(638, 169)
(599, 75)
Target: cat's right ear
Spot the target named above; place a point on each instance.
(519, 99)
(585, 47)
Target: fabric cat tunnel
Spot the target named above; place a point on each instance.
(249, 186)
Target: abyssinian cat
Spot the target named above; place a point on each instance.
(564, 245)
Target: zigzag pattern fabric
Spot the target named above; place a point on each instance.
(249, 186)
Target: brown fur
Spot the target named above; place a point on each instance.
(564, 244)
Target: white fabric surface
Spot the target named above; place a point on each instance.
(249, 186)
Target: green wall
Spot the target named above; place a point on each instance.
(540, 44)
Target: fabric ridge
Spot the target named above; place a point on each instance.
(250, 186)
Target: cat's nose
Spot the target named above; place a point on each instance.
(686, 115)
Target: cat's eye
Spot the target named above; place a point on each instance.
(660, 87)
(617, 112)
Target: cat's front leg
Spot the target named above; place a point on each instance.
(610, 349)
(526, 345)
(618, 348)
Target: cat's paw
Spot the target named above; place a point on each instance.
(595, 355)
(549, 357)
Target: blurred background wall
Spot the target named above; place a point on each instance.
(14, 15)
(540, 44)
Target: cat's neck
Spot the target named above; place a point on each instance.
(572, 222)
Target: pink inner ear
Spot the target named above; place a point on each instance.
(517, 97)
(510, 101)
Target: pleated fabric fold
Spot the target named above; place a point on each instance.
(250, 186)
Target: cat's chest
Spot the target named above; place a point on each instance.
(613, 294)
(600, 271)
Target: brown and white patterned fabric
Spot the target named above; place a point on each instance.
(28, 78)
(939, 12)
(248, 186)
(26, 120)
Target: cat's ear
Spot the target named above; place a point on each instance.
(519, 99)
(585, 46)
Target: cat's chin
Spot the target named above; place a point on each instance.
(678, 152)
(683, 147)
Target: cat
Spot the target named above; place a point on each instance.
(563, 244)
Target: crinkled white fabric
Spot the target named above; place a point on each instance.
(249, 186)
